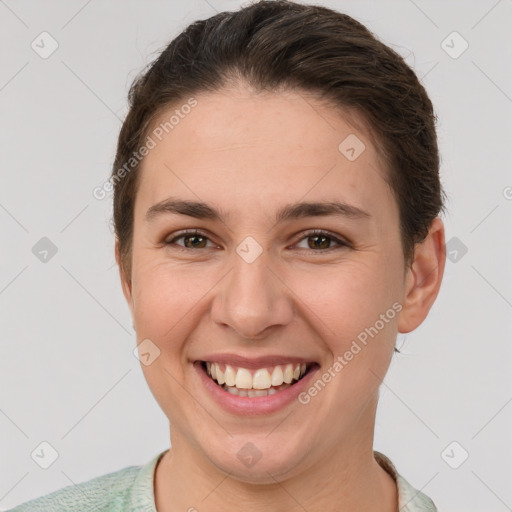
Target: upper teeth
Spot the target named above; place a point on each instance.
(263, 378)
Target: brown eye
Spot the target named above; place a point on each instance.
(320, 241)
(197, 241)
(192, 240)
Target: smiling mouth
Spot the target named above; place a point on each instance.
(255, 383)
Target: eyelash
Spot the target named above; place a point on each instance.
(314, 232)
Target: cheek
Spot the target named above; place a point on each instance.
(166, 312)
(349, 298)
(359, 312)
(358, 309)
(166, 298)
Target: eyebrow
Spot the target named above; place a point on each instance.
(200, 210)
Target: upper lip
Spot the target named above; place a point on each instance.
(254, 362)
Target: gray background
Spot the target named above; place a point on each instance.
(68, 373)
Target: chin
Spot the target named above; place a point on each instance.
(257, 459)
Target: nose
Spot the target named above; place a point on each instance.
(252, 299)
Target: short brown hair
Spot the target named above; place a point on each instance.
(276, 45)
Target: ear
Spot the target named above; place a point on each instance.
(423, 278)
(125, 280)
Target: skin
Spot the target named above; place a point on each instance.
(249, 154)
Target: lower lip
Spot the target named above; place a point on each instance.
(248, 406)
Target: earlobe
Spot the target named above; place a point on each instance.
(424, 278)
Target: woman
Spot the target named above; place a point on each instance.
(276, 202)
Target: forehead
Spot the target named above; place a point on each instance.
(270, 144)
(243, 121)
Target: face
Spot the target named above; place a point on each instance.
(265, 282)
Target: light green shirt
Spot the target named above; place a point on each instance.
(132, 489)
